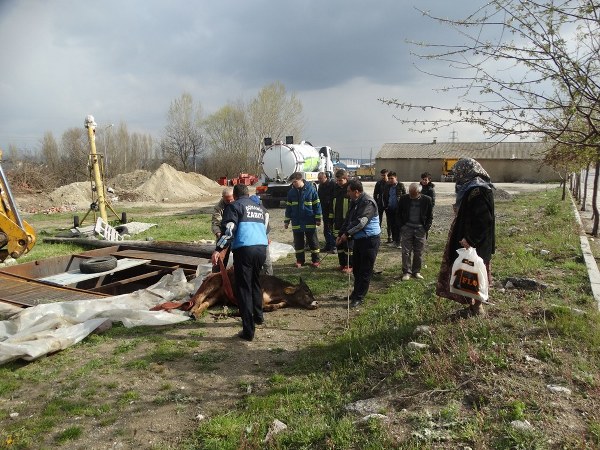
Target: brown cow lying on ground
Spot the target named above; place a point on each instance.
(277, 293)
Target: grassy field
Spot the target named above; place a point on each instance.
(526, 376)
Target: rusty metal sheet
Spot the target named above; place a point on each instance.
(22, 292)
(18, 283)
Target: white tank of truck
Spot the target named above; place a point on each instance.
(279, 161)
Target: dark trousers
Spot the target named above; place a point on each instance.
(328, 235)
(344, 253)
(247, 264)
(413, 241)
(313, 243)
(380, 210)
(365, 253)
(393, 228)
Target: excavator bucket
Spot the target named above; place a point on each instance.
(17, 237)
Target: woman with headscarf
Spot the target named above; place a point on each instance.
(473, 226)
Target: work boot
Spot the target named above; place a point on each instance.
(355, 303)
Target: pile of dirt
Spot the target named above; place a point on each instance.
(170, 185)
(127, 182)
(165, 185)
(75, 194)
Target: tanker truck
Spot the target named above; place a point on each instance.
(279, 161)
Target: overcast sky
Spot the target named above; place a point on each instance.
(126, 61)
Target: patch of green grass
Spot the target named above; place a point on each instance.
(128, 397)
(127, 346)
(208, 361)
(69, 434)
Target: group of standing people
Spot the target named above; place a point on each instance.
(352, 224)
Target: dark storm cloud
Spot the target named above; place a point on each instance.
(128, 60)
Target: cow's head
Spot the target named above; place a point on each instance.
(301, 295)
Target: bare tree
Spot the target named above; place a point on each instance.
(50, 152)
(228, 141)
(182, 142)
(275, 114)
(523, 68)
(75, 151)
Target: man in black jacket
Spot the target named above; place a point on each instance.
(392, 191)
(378, 197)
(415, 215)
(427, 187)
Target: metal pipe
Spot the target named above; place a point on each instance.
(90, 124)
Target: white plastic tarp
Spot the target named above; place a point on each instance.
(42, 329)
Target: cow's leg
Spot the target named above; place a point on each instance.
(206, 295)
(202, 306)
(274, 306)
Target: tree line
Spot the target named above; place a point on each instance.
(225, 143)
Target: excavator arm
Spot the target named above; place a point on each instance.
(17, 237)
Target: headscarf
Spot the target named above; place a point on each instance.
(469, 174)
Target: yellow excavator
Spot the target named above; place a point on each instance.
(17, 237)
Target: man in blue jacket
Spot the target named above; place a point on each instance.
(362, 227)
(244, 230)
(303, 209)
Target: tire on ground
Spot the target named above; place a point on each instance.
(97, 265)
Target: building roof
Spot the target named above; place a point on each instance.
(476, 150)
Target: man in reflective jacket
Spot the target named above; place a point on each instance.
(362, 227)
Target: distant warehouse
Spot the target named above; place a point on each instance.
(505, 161)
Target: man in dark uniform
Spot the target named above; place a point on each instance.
(337, 215)
(325, 191)
(244, 229)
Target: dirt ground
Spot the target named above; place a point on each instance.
(224, 368)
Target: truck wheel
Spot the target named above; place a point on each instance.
(97, 265)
